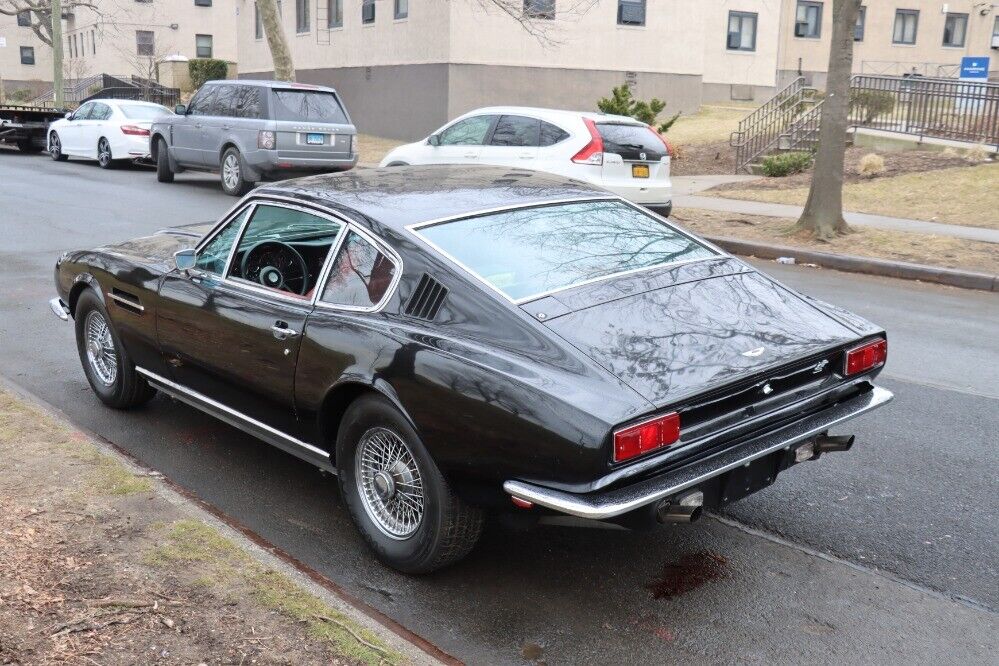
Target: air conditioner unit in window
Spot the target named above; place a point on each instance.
(368, 12)
(631, 14)
(801, 29)
(995, 41)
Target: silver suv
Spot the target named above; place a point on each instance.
(249, 131)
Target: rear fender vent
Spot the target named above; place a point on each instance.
(427, 299)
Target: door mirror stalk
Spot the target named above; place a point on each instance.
(434, 140)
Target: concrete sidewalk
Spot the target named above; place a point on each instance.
(685, 190)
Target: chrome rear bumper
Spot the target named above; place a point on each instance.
(613, 503)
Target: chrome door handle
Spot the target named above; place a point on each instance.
(283, 332)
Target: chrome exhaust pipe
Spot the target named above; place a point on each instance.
(827, 443)
(684, 508)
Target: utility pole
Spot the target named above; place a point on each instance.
(57, 86)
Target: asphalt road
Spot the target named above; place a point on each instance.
(885, 553)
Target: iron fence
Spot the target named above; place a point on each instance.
(166, 96)
(940, 108)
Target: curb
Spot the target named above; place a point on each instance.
(853, 264)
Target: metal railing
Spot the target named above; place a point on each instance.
(760, 131)
(160, 95)
(940, 70)
(944, 109)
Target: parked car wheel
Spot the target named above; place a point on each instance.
(104, 158)
(28, 146)
(394, 164)
(55, 148)
(395, 493)
(233, 178)
(163, 172)
(109, 369)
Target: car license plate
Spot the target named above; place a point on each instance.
(315, 139)
(639, 170)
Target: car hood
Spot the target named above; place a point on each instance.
(674, 342)
(158, 249)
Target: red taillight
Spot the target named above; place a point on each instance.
(134, 130)
(593, 152)
(646, 436)
(866, 357)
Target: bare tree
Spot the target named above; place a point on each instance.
(40, 13)
(823, 214)
(538, 23)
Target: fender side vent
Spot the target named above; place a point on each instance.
(427, 299)
(126, 300)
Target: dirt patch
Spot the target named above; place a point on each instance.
(691, 572)
(897, 246)
(102, 567)
(371, 149)
(712, 158)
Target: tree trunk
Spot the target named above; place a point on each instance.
(284, 67)
(58, 90)
(823, 214)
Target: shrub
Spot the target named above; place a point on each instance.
(977, 153)
(871, 165)
(785, 164)
(871, 103)
(622, 103)
(202, 70)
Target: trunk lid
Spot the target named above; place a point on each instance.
(671, 343)
(634, 155)
(310, 124)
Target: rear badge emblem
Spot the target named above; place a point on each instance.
(641, 156)
(753, 353)
(820, 366)
(767, 389)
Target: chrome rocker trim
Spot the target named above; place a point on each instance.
(599, 506)
(59, 308)
(249, 425)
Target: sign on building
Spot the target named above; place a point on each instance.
(975, 68)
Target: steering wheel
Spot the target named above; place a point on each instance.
(276, 265)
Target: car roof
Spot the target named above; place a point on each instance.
(117, 102)
(268, 83)
(554, 113)
(398, 197)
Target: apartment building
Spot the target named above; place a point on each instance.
(25, 60)
(121, 37)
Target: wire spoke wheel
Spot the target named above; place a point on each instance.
(389, 483)
(100, 348)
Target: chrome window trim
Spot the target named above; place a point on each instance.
(379, 245)
(414, 229)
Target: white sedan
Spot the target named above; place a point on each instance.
(106, 130)
(617, 153)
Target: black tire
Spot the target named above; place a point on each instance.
(127, 387)
(55, 148)
(163, 172)
(28, 146)
(232, 173)
(105, 159)
(395, 164)
(448, 528)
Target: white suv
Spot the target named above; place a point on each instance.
(618, 153)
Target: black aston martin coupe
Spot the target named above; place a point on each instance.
(453, 340)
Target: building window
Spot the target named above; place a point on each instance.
(93, 42)
(631, 12)
(301, 15)
(808, 20)
(24, 18)
(144, 42)
(955, 29)
(336, 14)
(741, 31)
(906, 22)
(858, 28)
(258, 25)
(368, 11)
(402, 8)
(539, 9)
(203, 46)
(27, 55)
(202, 3)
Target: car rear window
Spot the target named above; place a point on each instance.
(308, 106)
(143, 112)
(630, 141)
(528, 252)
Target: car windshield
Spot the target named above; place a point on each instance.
(144, 112)
(309, 106)
(529, 252)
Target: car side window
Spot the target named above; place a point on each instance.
(516, 131)
(83, 113)
(214, 255)
(100, 112)
(361, 274)
(468, 132)
(202, 103)
(552, 134)
(224, 99)
(246, 102)
(284, 249)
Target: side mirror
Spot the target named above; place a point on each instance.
(180, 110)
(434, 140)
(69, 115)
(185, 259)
